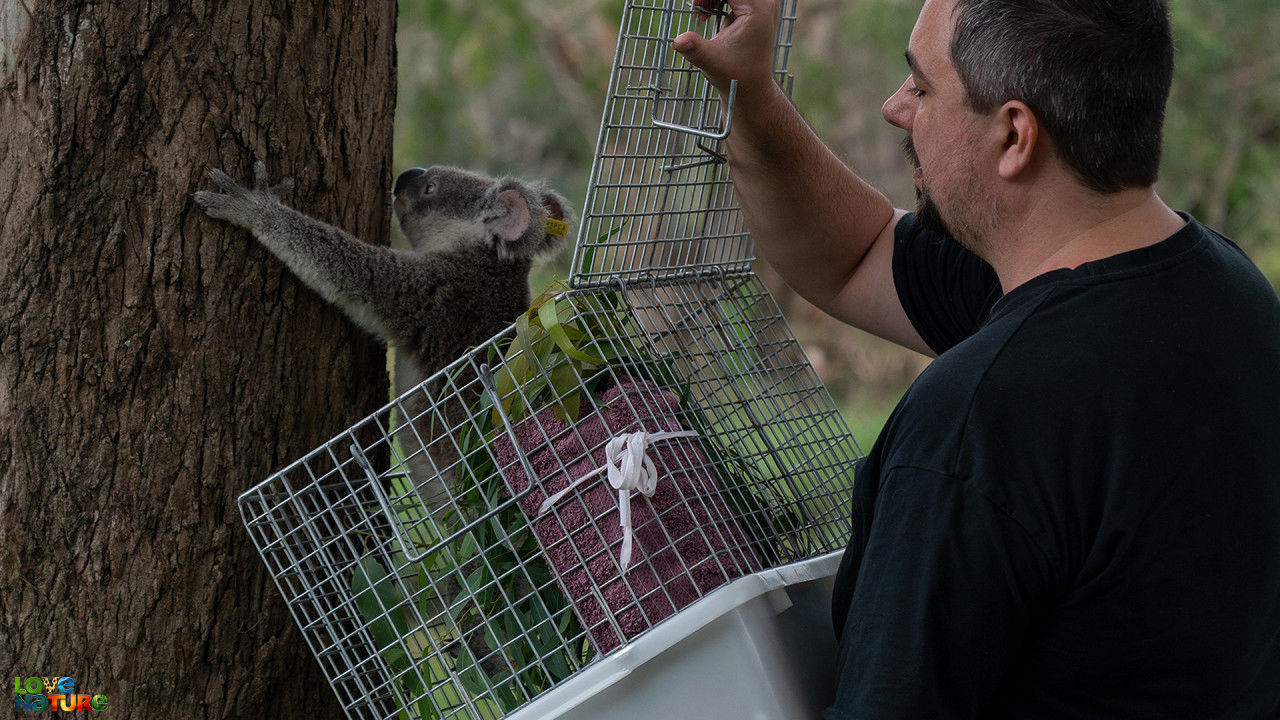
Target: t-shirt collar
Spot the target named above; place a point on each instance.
(1129, 261)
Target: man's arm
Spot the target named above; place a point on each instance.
(826, 231)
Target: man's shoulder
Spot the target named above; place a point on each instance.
(1099, 342)
(930, 423)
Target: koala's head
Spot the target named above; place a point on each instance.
(441, 208)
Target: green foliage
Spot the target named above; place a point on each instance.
(506, 87)
(1222, 136)
(490, 602)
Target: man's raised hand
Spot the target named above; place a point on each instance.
(743, 48)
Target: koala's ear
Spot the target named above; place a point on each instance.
(508, 217)
(557, 207)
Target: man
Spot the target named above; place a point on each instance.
(1075, 510)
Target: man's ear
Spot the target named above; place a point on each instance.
(508, 216)
(1021, 130)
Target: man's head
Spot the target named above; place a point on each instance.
(1096, 73)
(998, 88)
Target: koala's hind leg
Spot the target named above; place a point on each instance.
(448, 471)
(441, 449)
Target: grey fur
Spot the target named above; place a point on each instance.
(459, 285)
(465, 279)
(474, 240)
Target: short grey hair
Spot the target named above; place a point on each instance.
(1096, 73)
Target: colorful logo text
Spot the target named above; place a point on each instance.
(53, 694)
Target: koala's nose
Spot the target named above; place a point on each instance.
(407, 178)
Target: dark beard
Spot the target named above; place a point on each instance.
(926, 209)
(909, 149)
(929, 215)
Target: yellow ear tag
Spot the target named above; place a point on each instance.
(559, 228)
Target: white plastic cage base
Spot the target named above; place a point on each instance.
(759, 647)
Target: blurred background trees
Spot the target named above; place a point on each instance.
(517, 86)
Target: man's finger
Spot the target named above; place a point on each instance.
(703, 54)
(698, 51)
(686, 44)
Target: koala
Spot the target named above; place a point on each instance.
(474, 240)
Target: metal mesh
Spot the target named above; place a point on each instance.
(428, 583)
(462, 551)
(660, 201)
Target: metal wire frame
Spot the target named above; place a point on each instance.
(431, 596)
(406, 548)
(660, 201)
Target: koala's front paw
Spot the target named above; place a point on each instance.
(239, 206)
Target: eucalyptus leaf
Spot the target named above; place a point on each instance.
(564, 384)
(379, 602)
(549, 316)
(523, 340)
(469, 673)
(427, 709)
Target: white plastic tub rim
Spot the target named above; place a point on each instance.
(610, 670)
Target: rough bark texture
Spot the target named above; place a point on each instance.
(155, 363)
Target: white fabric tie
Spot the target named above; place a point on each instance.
(628, 468)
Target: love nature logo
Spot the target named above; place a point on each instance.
(53, 694)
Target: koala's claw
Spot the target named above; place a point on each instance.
(224, 203)
(225, 183)
(262, 181)
(260, 178)
(236, 204)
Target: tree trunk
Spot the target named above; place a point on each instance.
(155, 363)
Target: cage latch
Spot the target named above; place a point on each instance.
(658, 90)
(406, 544)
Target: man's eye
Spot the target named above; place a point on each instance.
(917, 92)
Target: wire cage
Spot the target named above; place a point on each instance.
(660, 201)
(620, 452)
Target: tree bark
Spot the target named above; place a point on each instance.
(155, 363)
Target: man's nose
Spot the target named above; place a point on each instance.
(898, 110)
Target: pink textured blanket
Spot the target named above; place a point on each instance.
(686, 541)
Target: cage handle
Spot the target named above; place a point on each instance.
(486, 379)
(406, 545)
(657, 90)
(720, 134)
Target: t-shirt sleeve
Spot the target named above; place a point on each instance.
(946, 290)
(942, 600)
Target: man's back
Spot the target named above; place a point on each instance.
(1073, 511)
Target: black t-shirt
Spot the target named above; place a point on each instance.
(1074, 512)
